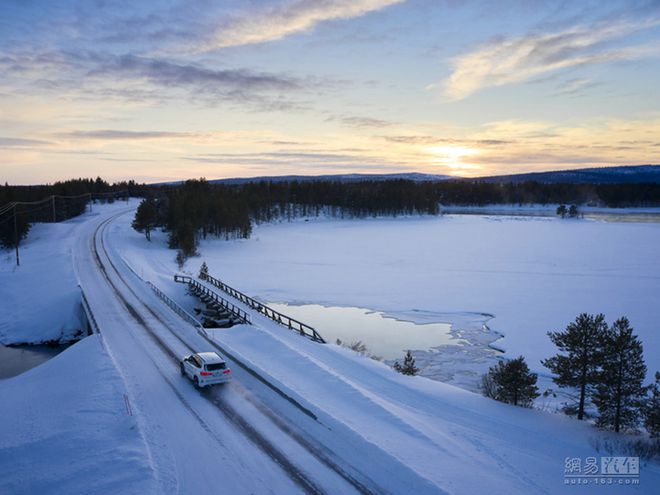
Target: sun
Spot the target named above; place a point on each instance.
(452, 156)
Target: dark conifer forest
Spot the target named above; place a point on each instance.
(197, 208)
(20, 206)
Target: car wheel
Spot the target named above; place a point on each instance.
(183, 370)
(196, 382)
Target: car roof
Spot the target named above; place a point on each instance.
(210, 357)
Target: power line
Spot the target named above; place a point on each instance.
(37, 211)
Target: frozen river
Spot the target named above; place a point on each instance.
(384, 336)
(15, 360)
(497, 280)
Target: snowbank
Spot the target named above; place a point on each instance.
(67, 428)
(40, 298)
(460, 441)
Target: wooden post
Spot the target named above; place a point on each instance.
(18, 259)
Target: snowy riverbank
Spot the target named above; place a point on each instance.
(40, 298)
(532, 274)
(67, 428)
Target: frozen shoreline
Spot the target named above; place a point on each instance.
(452, 268)
(542, 209)
(533, 274)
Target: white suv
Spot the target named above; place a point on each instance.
(205, 368)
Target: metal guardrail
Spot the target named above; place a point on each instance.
(91, 320)
(235, 311)
(293, 324)
(175, 307)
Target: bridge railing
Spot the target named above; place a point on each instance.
(175, 307)
(91, 319)
(235, 311)
(276, 316)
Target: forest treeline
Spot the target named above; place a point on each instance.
(71, 198)
(72, 187)
(198, 209)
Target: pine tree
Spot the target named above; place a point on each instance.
(620, 391)
(9, 230)
(579, 366)
(487, 386)
(408, 367)
(146, 217)
(652, 409)
(203, 271)
(512, 382)
(180, 259)
(561, 211)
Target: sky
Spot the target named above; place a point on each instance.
(167, 90)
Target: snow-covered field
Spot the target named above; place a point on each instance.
(394, 433)
(532, 274)
(40, 298)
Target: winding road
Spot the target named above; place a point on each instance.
(224, 436)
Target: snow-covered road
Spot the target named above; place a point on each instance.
(195, 440)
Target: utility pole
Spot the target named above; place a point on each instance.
(53, 201)
(18, 260)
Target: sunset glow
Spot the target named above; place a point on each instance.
(164, 91)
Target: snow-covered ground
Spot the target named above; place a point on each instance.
(393, 433)
(532, 274)
(548, 209)
(67, 428)
(40, 298)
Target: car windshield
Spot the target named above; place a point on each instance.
(215, 366)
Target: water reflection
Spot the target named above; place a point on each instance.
(385, 337)
(19, 359)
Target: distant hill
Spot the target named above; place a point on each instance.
(415, 176)
(605, 175)
(634, 174)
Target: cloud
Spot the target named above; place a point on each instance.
(575, 87)
(279, 157)
(170, 74)
(117, 135)
(360, 122)
(104, 76)
(9, 142)
(510, 60)
(286, 19)
(434, 140)
(287, 143)
(416, 139)
(286, 162)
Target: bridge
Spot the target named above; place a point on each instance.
(215, 301)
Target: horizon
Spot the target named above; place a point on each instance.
(367, 174)
(167, 92)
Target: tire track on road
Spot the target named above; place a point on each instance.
(230, 413)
